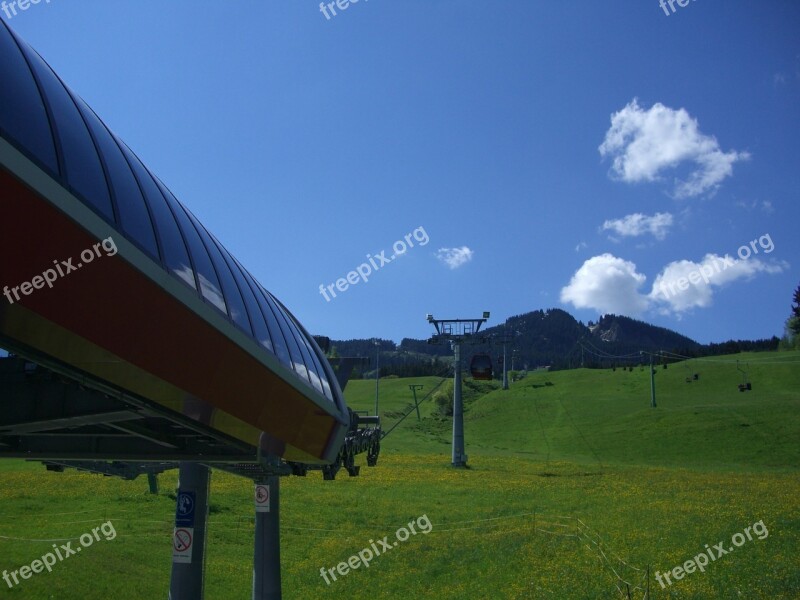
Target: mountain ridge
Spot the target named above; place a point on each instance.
(548, 337)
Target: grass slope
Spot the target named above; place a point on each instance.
(604, 416)
(573, 488)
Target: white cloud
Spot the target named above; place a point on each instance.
(607, 284)
(455, 257)
(581, 246)
(684, 284)
(638, 224)
(645, 143)
(765, 205)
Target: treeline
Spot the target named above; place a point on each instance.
(542, 338)
(436, 366)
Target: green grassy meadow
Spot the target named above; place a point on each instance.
(576, 486)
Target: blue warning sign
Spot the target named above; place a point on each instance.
(184, 511)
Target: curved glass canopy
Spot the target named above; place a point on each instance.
(54, 127)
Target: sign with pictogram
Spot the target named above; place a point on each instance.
(182, 542)
(262, 498)
(184, 509)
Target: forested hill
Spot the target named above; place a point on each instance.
(550, 337)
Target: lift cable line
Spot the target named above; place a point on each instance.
(765, 360)
(505, 339)
(414, 388)
(426, 397)
(665, 355)
(580, 433)
(592, 349)
(641, 353)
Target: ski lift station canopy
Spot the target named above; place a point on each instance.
(113, 283)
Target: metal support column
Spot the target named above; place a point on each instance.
(189, 536)
(414, 387)
(505, 369)
(459, 458)
(652, 383)
(267, 548)
(377, 375)
(152, 480)
(456, 332)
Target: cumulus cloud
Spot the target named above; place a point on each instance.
(683, 285)
(454, 257)
(607, 284)
(765, 206)
(643, 144)
(638, 224)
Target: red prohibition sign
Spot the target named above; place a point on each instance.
(262, 494)
(183, 539)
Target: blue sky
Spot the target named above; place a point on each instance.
(547, 154)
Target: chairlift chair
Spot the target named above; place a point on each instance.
(745, 386)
